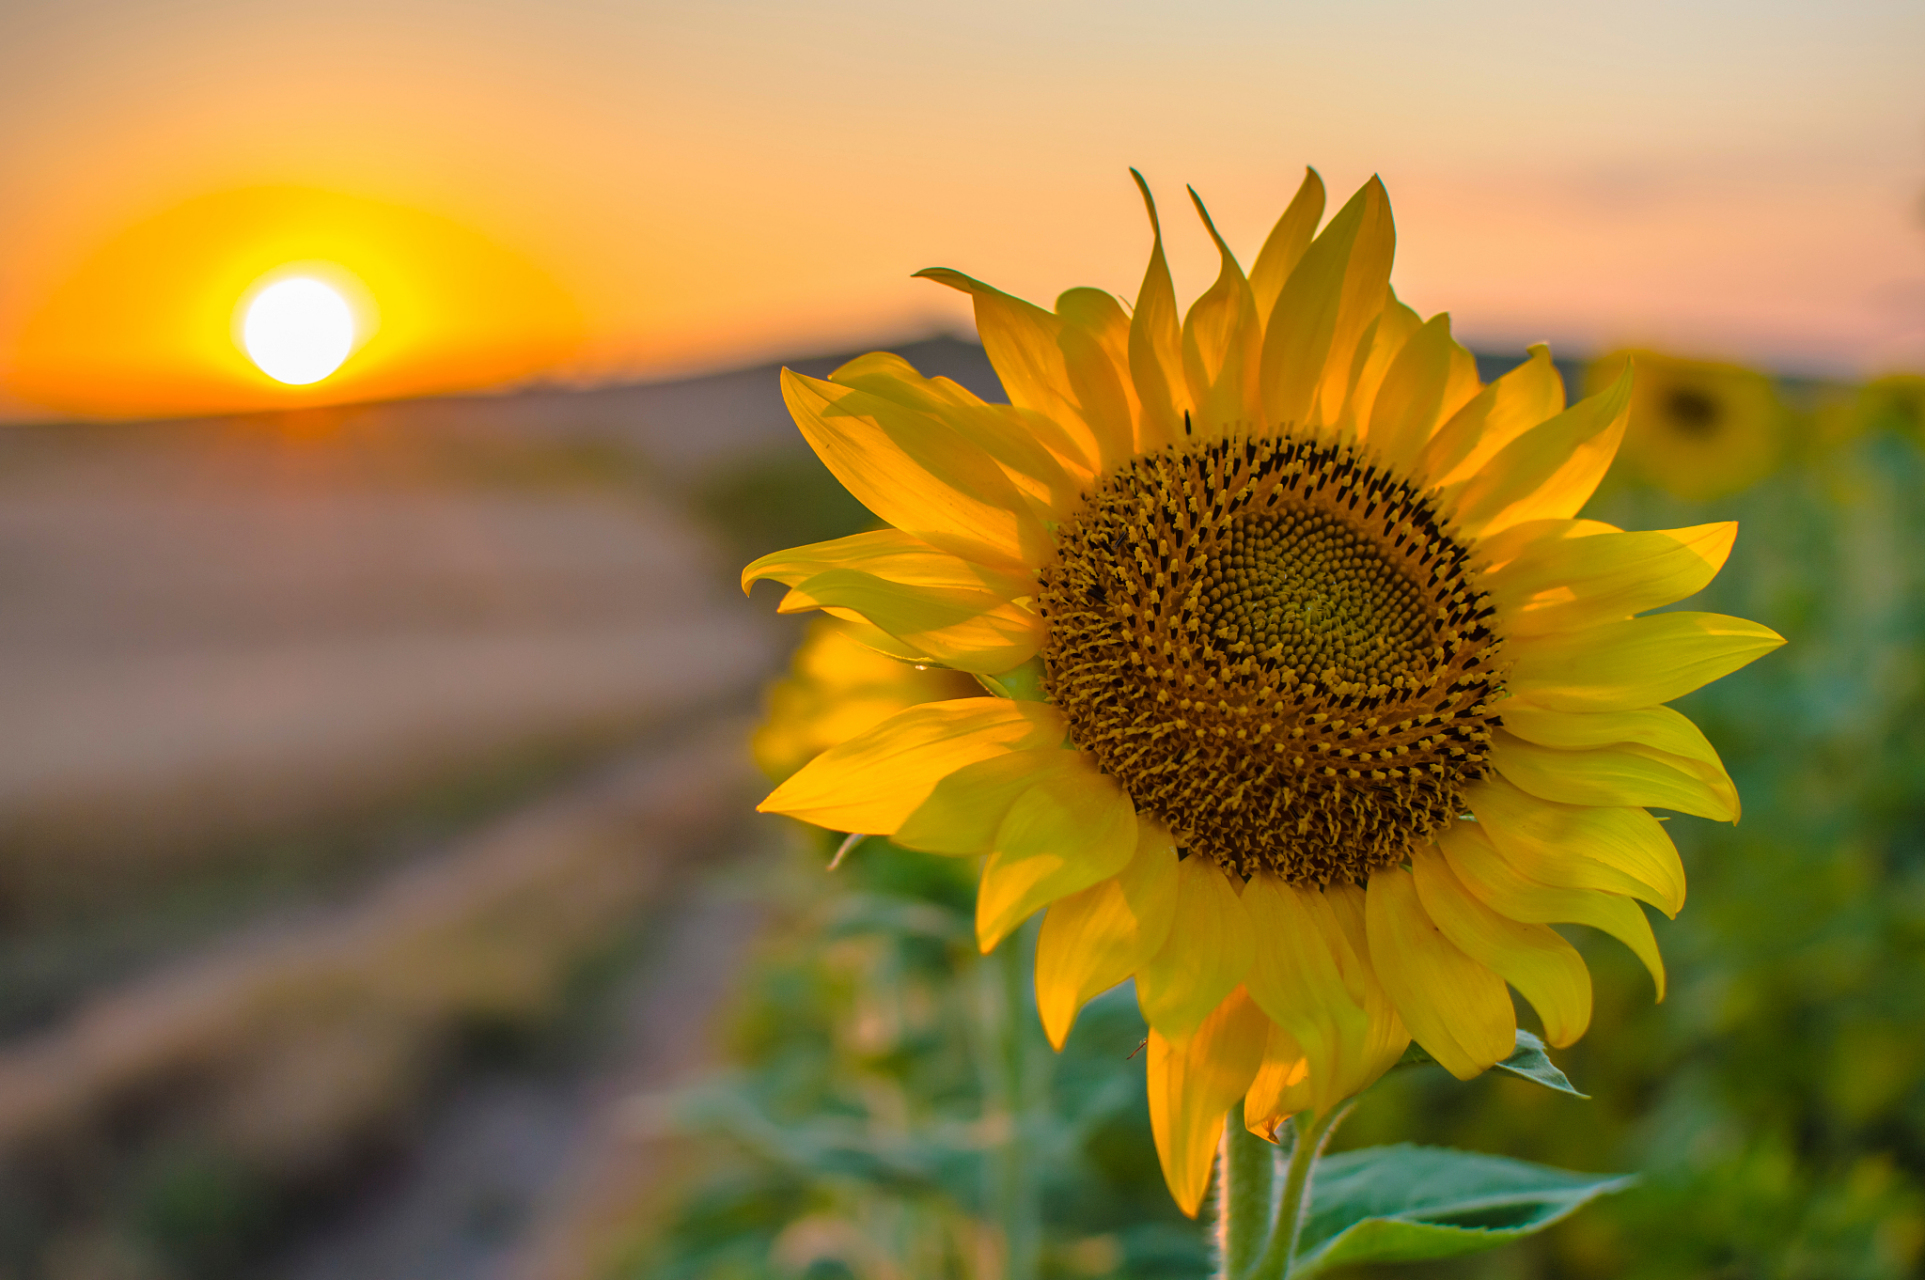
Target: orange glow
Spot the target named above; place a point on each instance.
(151, 324)
(695, 188)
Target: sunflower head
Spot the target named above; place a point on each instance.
(1313, 704)
(1277, 648)
(1698, 429)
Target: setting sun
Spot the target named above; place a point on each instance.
(298, 330)
(183, 313)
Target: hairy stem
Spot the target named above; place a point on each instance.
(1246, 1196)
(1312, 1135)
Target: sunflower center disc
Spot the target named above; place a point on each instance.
(1277, 650)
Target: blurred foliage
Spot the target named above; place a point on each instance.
(883, 1116)
(1774, 1104)
(780, 501)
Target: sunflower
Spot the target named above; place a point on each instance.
(1698, 429)
(835, 688)
(1313, 704)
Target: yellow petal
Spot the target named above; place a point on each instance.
(1550, 471)
(1283, 247)
(1377, 350)
(1639, 662)
(859, 630)
(1335, 292)
(1040, 457)
(1296, 981)
(1531, 957)
(1430, 380)
(1350, 943)
(1094, 939)
(1366, 1046)
(1072, 829)
(889, 554)
(1511, 892)
(1209, 951)
(1193, 1080)
(1499, 549)
(1500, 413)
(1455, 1007)
(928, 480)
(1156, 346)
(970, 630)
(966, 810)
(1221, 342)
(1281, 1088)
(875, 780)
(1615, 775)
(1620, 850)
(1660, 732)
(1095, 339)
(1559, 584)
(1021, 341)
(890, 376)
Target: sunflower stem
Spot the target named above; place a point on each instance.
(1310, 1136)
(1016, 1084)
(1246, 1196)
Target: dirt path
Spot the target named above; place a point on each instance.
(285, 1052)
(534, 1176)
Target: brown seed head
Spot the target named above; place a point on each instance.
(1277, 648)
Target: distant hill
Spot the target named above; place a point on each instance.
(686, 427)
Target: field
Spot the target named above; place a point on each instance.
(369, 774)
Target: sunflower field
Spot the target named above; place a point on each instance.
(895, 1110)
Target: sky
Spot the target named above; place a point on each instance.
(535, 189)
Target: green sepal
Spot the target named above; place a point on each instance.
(1023, 684)
(1527, 1059)
(1531, 1062)
(1405, 1203)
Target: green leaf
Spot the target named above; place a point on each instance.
(1528, 1060)
(824, 1145)
(1405, 1203)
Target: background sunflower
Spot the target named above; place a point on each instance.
(1698, 429)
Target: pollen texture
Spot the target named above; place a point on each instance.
(1277, 649)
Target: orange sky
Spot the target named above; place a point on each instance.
(610, 189)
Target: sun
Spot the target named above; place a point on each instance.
(298, 330)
